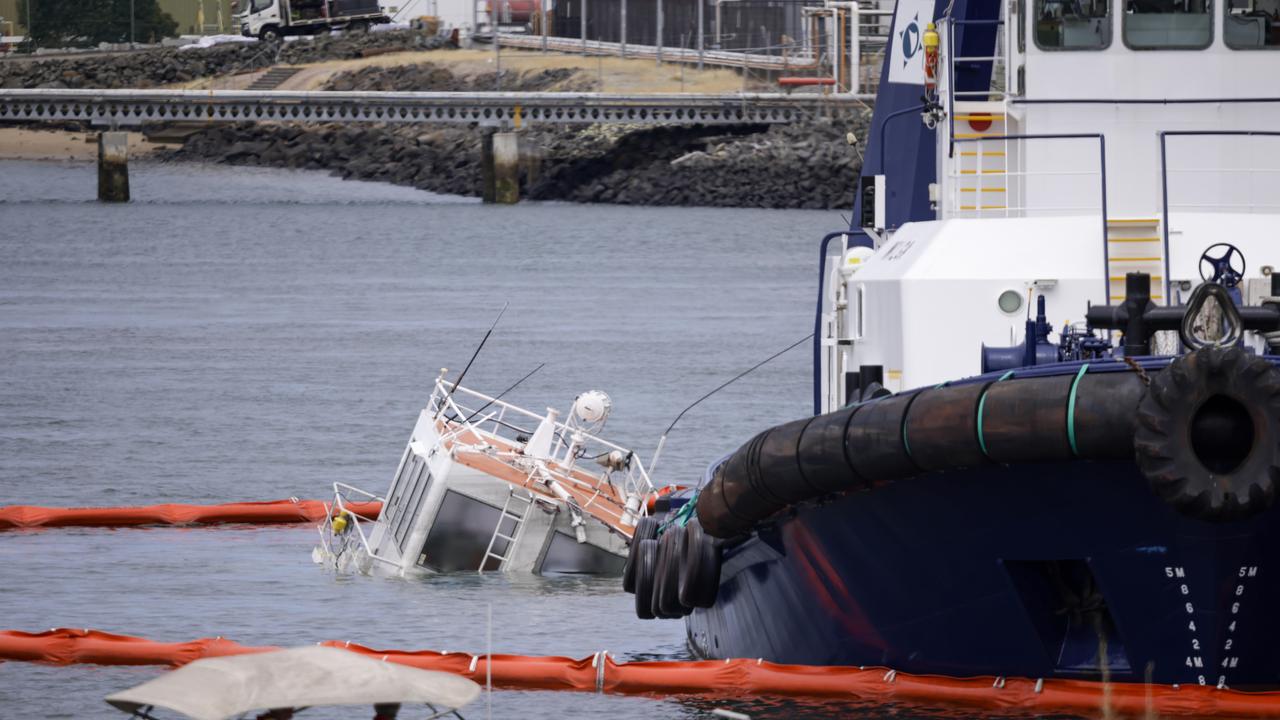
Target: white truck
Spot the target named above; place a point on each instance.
(269, 20)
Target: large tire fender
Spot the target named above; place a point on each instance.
(699, 568)
(646, 529)
(1208, 434)
(646, 571)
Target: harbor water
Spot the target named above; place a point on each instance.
(238, 334)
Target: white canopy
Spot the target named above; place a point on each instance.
(225, 687)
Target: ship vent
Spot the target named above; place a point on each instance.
(1071, 615)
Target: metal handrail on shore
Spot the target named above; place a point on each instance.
(138, 107)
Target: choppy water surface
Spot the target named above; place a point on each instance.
(236, 334)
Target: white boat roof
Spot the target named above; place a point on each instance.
(226, 687)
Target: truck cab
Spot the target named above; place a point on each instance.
(269, 20)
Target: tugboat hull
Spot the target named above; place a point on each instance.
(1073, 570)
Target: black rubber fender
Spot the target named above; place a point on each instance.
(1208, 434)
(646, 529)
(874, 440)
(942, 428)
(741, 485)
(646, 572)
(666, 587)
(1025, 420)
(823, 456)
(699, 568)
(780, 474)
(1104, 415)
(712, 510)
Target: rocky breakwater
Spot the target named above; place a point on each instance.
(165, 66)
(805, 165)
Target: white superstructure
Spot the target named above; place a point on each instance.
(1114, 138)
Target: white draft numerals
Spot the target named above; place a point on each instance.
(1230, 661)
(1195, 661)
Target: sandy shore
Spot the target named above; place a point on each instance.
(615, 75)
(24, 144)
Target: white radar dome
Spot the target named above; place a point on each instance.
(592, 407)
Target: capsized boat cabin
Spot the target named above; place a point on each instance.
(484, 485)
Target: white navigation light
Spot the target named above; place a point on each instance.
(592, 407)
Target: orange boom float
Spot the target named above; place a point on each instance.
(272, 512)
(601, 673)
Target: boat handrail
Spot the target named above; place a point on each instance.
(339, 509)
(952, 59)
(1165, 205)
(445, 397)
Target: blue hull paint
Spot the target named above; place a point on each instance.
(930, 575)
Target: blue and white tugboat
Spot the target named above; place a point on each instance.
(1046, 439)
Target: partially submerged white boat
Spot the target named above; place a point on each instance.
(484, 485)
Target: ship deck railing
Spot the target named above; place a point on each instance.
(343, 496)
(469, 412)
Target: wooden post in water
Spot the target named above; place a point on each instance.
(113, 167)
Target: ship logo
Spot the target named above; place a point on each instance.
(910, 39)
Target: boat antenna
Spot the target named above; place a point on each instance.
(479, 347)
(504, 392)
(653, 464)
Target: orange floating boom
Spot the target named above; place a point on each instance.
(255, 513)
(730, 678)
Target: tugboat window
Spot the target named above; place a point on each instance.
(1252, 24)
(1073, 24)
(1168, 24)
(1010, 301)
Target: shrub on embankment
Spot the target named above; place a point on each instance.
(164, 66)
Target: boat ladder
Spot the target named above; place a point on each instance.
(515, 510)
(1134, 245)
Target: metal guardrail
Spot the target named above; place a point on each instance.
(728, 58)
(138, 107)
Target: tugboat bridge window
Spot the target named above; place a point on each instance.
(1073, 24)
(1252, 24)
(1168, 24)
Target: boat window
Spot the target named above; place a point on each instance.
(460, 536)
(395, 496)
(1252, 24)
(566, 555)
(1168, 24)
(1073, 24)
(409, 511)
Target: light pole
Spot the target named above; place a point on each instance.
(132, 36)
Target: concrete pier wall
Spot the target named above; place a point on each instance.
(113, 167)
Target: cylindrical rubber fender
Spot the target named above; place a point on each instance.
(1102, 419)
(874, 440)
(822, 457)
(646, 529)
(1025, 420)
(699, 568)
(666, 579)
(942, 428)
(646, 572)
(1208, 435)
(743, 494)
(712, 510)
(779, 466)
